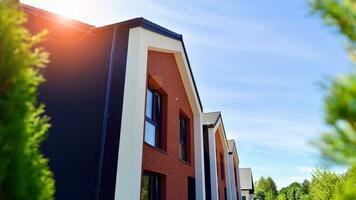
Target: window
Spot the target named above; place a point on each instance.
(153, 118)
(183, 133)
(222, 167)
(151, 187)
(191, 188)
(225, 193)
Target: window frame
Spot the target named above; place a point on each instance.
(156, 117)
(154, 179)
(184, 149)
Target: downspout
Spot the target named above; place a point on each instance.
(106, 115)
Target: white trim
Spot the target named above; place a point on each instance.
(232, 175)
(128, 181)
(213, 167)
(199, 157)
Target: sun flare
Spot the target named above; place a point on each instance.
(64, 8)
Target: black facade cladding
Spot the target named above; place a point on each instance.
(75, 103)
(75, 97)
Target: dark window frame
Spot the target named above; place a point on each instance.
(191, 188)
(184, 134)
(225, 193)
(235, 174)
(156, 117)
(154, 185)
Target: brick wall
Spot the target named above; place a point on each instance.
(236, 177)
(163, 76)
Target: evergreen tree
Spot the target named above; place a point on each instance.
(24, 173)
(339, 145)
(340, 111)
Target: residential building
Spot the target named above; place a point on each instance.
(234, 171)
(220, 158)
(246, 180)
(127, 120)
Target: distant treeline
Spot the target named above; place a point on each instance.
(324, 185)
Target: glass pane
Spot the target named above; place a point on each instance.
(157, 111)
(150, 135)
(183, 152)
(158, 139)
(183, 131)
(149, 98)
(145, 187)
(156, 189)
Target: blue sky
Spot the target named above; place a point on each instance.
(259, 62)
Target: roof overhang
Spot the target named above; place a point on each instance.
(214, 120)
(233, 150)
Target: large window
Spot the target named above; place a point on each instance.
(153, 118)
(151, 187)
(183, 133)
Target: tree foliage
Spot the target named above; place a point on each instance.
(324, 184)
(340, 14)
(266, 188)
(295, 191)
(339, 145)
(347, 191)
(340, 103)
(24, 173)
(306, 186)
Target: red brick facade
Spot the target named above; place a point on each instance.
(163, 76)
(236, 178)
(220, 166)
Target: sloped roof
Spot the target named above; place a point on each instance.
(231, 145)
(233, 149)
(211, 118)
(246, 179)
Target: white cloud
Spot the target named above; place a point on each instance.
(272, 129)
(306, 169)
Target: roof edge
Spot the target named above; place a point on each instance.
(131, 23)
(30, 10)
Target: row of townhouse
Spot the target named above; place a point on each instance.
(127, 120)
